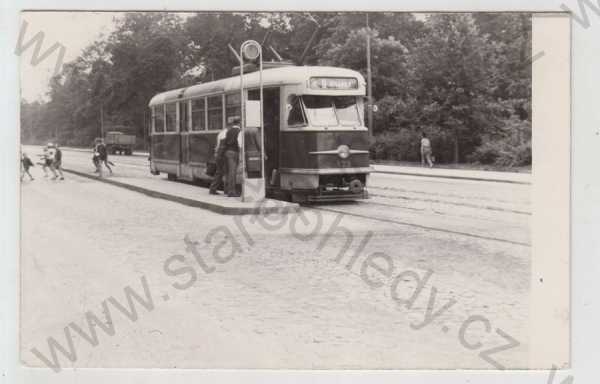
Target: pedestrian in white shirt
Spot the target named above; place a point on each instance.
(426, 151)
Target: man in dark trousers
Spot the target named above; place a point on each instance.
(232, 146)
(221, 166)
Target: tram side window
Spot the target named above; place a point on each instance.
(215, 112)
(158, 113)
(296, 116)
(232, 112)
(171, 117)
(198, 113)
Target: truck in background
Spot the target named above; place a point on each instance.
(119, 143)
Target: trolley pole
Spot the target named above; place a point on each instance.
(369, 81)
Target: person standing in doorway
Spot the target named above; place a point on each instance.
(220, 163)
(232, 155)
(426, 151)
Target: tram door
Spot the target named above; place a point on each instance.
(271, 123)
(185, 171)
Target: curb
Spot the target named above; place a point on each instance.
(252, 210)
(455, 177)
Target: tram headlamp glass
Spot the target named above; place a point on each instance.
(343, 151)
(251, 51)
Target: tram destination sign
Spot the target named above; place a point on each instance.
(333, 83)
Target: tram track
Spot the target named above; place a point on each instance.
(446, 194)
(420, 226)
(431, 210)
(461, 204)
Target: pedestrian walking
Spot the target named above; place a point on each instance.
(220, 164)
(47, 158)
(103, 156)
(426, 151)
(57, 163)
(232, 155)
(26, 163)
(96, 157)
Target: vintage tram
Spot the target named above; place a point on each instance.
(315, 140)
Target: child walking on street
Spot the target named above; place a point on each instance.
(26, 163)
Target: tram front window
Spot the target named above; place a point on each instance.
(346, 110)
(331, 111)
(319, 110)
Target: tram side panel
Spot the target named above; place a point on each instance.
(201, 152)
(165, 153)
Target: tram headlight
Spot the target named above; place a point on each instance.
(343, 151)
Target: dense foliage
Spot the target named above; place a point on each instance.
(465, 79)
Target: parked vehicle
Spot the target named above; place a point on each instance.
(119, 143)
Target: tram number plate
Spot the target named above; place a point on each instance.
(344, 163)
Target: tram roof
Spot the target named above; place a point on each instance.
(271, 77)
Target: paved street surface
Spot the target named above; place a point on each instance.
(281, 300)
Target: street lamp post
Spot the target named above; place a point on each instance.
(251, 50)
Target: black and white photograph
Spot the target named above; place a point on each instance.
(293, 190)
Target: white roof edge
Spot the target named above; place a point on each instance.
(272, 76)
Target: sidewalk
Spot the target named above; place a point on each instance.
(191, 195)
(502, 177)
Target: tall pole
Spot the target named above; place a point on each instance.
(369, 81)
(262, 123)
(144, 127)
(252, 55)
(242, 119)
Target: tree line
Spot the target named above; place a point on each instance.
(464, 79)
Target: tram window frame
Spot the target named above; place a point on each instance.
(183, 121)
(233, 105)
(296, 99)
(173, 127)
(213, 109)
(160, 116)
(355, 107)
(313, 119)
(193, 111)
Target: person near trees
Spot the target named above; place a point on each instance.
(426, 151)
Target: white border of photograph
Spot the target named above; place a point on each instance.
(550, 183)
